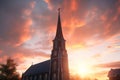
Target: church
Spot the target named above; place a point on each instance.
(57, 67)
(114, 74)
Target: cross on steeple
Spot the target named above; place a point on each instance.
(59, 10)
(59, 34)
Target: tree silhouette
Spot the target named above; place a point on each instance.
(8, 70)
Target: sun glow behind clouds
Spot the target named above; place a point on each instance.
(83, 64)
(84, 70)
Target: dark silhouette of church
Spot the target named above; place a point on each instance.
(57, 67)
(114, 74)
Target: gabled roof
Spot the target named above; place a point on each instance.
(42, 67)
(114, 73)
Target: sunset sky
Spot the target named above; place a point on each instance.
(91, 29)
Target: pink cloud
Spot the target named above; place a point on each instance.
(109, 65)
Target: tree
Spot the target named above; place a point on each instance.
(8, 70)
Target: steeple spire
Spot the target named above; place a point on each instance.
(59, 58)
(59, 34)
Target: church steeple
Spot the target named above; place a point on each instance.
(59, 58)
(59, 34)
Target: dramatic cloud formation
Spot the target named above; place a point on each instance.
(15, 29)
(15, 21)
(83, 16)
(90, 27)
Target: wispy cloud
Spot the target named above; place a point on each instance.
(115, 64)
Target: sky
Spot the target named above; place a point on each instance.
(91, 29)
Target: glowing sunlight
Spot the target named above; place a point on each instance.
(83, 70)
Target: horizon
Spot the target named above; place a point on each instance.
(90, 28)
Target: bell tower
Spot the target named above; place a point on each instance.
(59, 58)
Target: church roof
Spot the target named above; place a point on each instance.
(42, 67)
(114, 73)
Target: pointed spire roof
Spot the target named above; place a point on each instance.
(59, 34)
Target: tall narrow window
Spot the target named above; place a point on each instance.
(30, 77)
(46, 76)
(54, 77)
(35, 77)
(27, 78)
(40, 77)
(54, 66)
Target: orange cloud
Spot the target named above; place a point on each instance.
(104, 16)
(74, 5)
(25, 32)
(96, 20)
(27, 12)
(19, 57)
(49, 4)
(110, 65)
